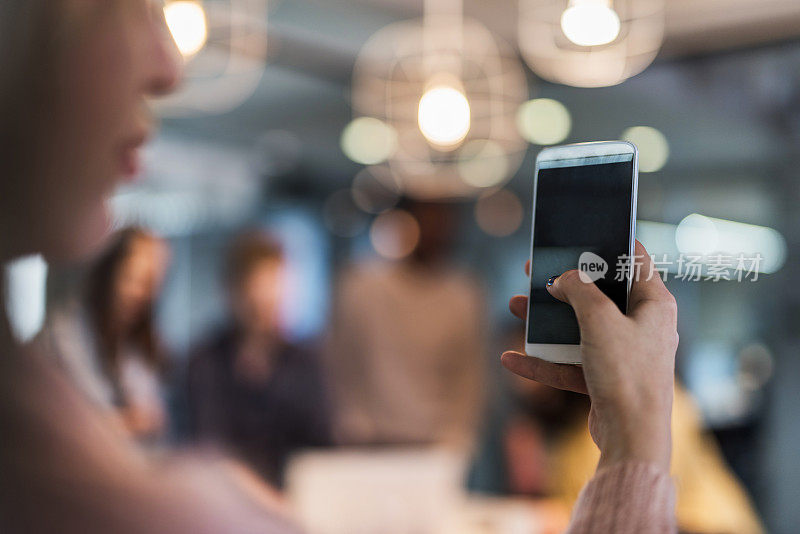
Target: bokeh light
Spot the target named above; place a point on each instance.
(499, 213)
(186, 20)
(368, 141)
(394, 234)
(756, 365)
(444, 116)
(483, 163)
(544, 121)
(25, 284)
(698, 234)
(653, 147)
(375, 190)
(590, 22)
(342, 217)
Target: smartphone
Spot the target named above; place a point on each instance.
(584, 217)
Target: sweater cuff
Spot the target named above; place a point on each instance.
(626, 498)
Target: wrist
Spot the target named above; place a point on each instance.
(645, 438)
(656, 452)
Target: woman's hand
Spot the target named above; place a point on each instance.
(628, 363)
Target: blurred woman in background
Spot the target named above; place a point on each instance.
(107, 340)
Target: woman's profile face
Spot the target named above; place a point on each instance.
(111, 55)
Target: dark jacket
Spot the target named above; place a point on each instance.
(263, 424)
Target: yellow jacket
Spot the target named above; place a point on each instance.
(710, 498)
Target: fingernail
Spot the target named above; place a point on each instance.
(551, 281)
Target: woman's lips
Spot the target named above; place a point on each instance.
(131, 157)
(131, 163)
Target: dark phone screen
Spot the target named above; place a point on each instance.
(582, 206)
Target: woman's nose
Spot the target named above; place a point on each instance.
(166, 63)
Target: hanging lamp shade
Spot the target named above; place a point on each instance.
(224, 45)
(590, 43)
(450, 91)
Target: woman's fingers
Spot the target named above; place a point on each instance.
(647, 283)
(589, 303)
(650, 300)
(568, 377)
(560, 376)
(519, 306)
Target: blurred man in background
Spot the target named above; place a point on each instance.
(250, 390)
(407, 344)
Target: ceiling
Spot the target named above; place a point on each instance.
(720, 90)
(693, 26)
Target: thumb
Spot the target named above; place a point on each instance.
(584, 296)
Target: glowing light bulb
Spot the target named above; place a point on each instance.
(444, 116)
(187, 23)
(590, 22)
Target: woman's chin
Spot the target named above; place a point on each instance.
(81, 241)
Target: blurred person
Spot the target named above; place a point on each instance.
(74, 75)
(407, 344)
(251, 390)
(107, 341)
(550, 453)
(72, 121)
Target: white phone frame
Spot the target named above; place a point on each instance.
(563, 353)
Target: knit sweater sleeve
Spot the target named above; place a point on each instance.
(626, 498)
